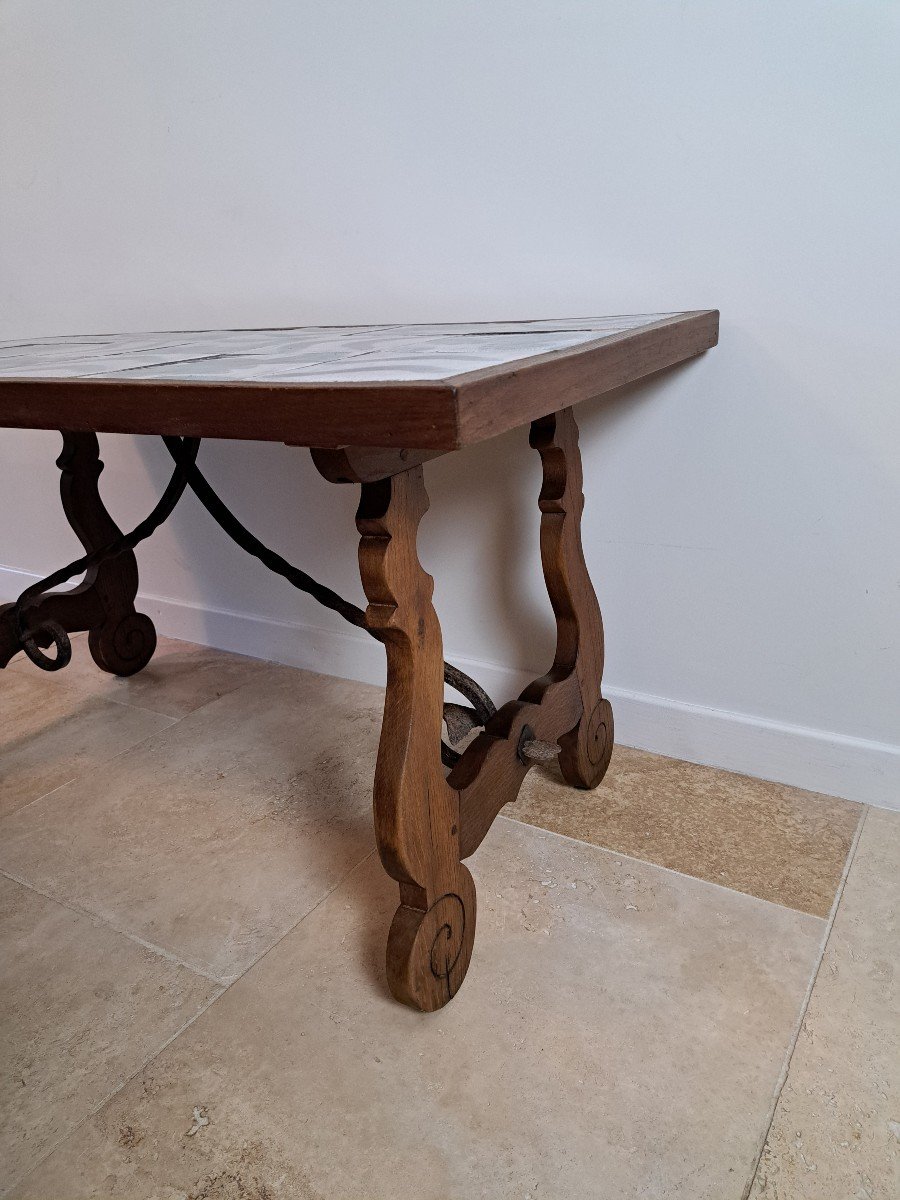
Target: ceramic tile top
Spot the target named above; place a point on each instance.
(309, 354)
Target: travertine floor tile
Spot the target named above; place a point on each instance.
(213, 838)
(52, 734)
(768, 839)
(82, 1008)
(620, 1034)
(836, 1131)
(180, 678)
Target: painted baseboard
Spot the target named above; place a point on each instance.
(815, 759)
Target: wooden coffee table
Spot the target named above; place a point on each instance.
(373, 403)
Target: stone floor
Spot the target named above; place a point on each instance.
(684, 984)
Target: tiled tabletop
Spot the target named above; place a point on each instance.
(308, 354)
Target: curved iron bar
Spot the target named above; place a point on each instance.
(483, 708)
(459, 720)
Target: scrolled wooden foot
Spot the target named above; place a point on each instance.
(426, 823)
(417, 820)
(123, 647)
(564, 707)
(585, 752)
(121, 640)
(429, 952)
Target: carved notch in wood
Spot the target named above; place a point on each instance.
(121, 640)
(426, 823)
(416, 812)
(366, 464)
(587, 747)
(564, 706)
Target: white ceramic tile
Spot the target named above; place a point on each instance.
(350, 354)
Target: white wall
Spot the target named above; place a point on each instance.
(175, 165)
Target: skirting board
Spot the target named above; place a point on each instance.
(814, 759)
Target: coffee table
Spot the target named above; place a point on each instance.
(373, 403)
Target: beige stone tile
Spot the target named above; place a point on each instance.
(836, 1131)
(180, 678)
(83, 1008)
(620, 1034)
(216, 836)
(52, 734)
(773, 841)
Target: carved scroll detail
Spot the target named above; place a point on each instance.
(564, 706)
(416, 812)
(587, 747)
(425, 823)
(121, 640)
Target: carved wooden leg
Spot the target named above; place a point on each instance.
(416, 812)
(586, 749)
(121, 640)
(424, 822)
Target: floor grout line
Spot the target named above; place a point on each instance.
(21, 666)
(723, 887)
(224, 984)
(87, 693)
(177, 1034)
(72, 906)
(798, 1027)
(103, 919)
(71, 1132)
(173, 721)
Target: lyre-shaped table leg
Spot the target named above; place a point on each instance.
(416, 812)
(121, 640)
(586, 749)
(423, 821)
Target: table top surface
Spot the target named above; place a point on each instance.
(423, 386)
(309, 354)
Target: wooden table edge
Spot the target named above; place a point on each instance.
(496, 399)
(426, 823)
(439, 415)
(427, 419)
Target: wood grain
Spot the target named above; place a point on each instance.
(121, 640)
(419, 415)
(586, 748)
(426, 823)
(494, 400)
(565, 705)
(416, 812)
(366, 464)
